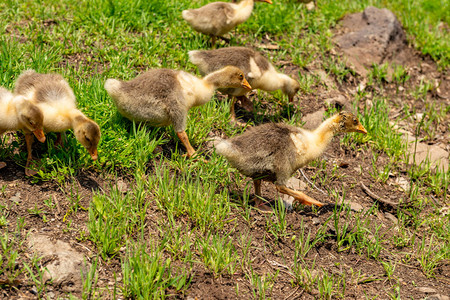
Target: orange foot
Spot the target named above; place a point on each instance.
(262, 207)
(30, 172)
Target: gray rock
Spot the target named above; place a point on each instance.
(427, 290)
(33, 290)
(310, 5)
(16, 198)
(313, 120)
(437, 297)
(295, 184)
(340, 101)
(374, 36)
(391, 217)
(421, 153)
(324, 77)
(122, 186)
(62, 263)
(356, 206)
(402, 183)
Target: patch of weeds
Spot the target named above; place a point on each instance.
(304, 275)
(343, 230)
(378, 74)
(3, 221)
(177, 240)
(433, 116)
(307, 82)
(36, 271)
(395, 294)
(218, 254)
(9, 253)
(354, 231)
(148, 275)
(276, 223)
(114, 217)
(320, 176)
(337, 67)
(90, 280)
(303, 243)
(380, 173)
(403, 237)
(182, 195)
(331, 286)
(74, 200)
(262, 285)
(389, 269)
(244, 243)
(380, 132)
(422, 89)
(38, 212)
(429, 256)
(400, 75)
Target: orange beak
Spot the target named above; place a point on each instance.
(246, 85)
(94, 154)
(268, 1)
(39, 133)
(361, 129)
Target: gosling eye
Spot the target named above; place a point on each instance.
(355, 122)
(241, 76)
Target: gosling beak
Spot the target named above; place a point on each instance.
(268, 1)
(246, 85)
(291, 99)
(361, 129)
(39, 133)
(93, 152)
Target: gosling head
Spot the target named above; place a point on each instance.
(32, 119)
(88, 134)
(229, 77)
(348, 122)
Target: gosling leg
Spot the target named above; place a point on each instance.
(29, 141)
(298, 196)
(2, 164)
(259, 204)
(246, 103)
(233, 113)
(213, 41)
(59, 140)
(185, 140)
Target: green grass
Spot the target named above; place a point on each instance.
(199, 208)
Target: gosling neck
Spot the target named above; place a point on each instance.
(214, 80)
(244, 10)
(10, 113)
(77, 118)
(325, 132)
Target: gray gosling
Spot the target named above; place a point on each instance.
(273, 152)
(217, 18)
(53, 95)
(18, 113)
(261, 74)
(163, 97)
